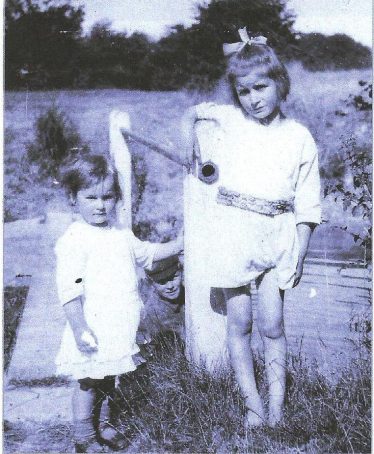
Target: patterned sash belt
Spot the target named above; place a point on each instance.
(247, 202)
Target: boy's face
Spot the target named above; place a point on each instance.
(96, 202)
(170, 287)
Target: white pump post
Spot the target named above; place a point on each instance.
(205, 307)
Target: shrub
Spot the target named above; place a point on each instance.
(56, 139)
(354, 189)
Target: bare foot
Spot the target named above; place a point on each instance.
(275, 416)
(253, 418)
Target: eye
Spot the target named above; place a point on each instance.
(108, 197)
(243, 91)
(163, 281)
(260, 87)
(91, 197)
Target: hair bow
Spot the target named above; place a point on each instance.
(233, 48)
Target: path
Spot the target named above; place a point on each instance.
(322, 318)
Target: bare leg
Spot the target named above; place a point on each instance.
(239, 328)
(83, 409)
(270, 325)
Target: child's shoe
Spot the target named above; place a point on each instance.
(89, 446)
(113, 438)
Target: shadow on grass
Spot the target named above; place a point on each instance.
(14, 302)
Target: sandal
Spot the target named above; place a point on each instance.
(89, 446)
(113, 438)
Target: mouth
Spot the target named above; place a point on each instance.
(172, 292)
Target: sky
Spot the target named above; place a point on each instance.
(153, 17)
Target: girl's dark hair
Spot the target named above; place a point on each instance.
(88, 170)
(258, 56)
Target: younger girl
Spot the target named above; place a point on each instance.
(267, 204)
(98, 288)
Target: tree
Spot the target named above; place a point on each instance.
(339, 51)
(194, 52)
(41, 43)
(111, 58)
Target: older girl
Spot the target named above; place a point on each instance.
(267, 204)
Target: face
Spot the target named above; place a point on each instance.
(169, 288)
(258, 96)
(96, 203)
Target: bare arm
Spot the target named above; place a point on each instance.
(75, 315)
(304, 232)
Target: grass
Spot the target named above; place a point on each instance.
(173, 406)
(14, 301)
(176, 407)
(314, 99)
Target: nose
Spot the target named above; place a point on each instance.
(100, 203)
(255, 99)
(170, 285)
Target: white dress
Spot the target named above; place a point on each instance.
(274, 162)
(99, 264)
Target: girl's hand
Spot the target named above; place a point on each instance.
(86, 341)
(299, 271)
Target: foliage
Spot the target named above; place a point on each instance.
(354, 190)
(193, 56)
(363, 100)
(41, 44)
(44, 46)
(319, 52)
(113, 59)
(56, 139)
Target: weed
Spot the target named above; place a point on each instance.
(56, 139)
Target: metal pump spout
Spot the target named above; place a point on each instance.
(207, 171)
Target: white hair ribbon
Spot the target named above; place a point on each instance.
(233, 48)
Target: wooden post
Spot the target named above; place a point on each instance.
(122, 160)
(205, 307)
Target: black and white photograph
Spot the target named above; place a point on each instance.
(187, 226)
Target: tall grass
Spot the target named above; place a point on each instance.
(174, 406)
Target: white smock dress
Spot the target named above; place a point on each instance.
(272, 163)
(99, 265)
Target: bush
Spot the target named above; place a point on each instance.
(56, 139)
(319, 52)
(354, 189)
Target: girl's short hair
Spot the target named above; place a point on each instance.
(253, 56)
(88, 170)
